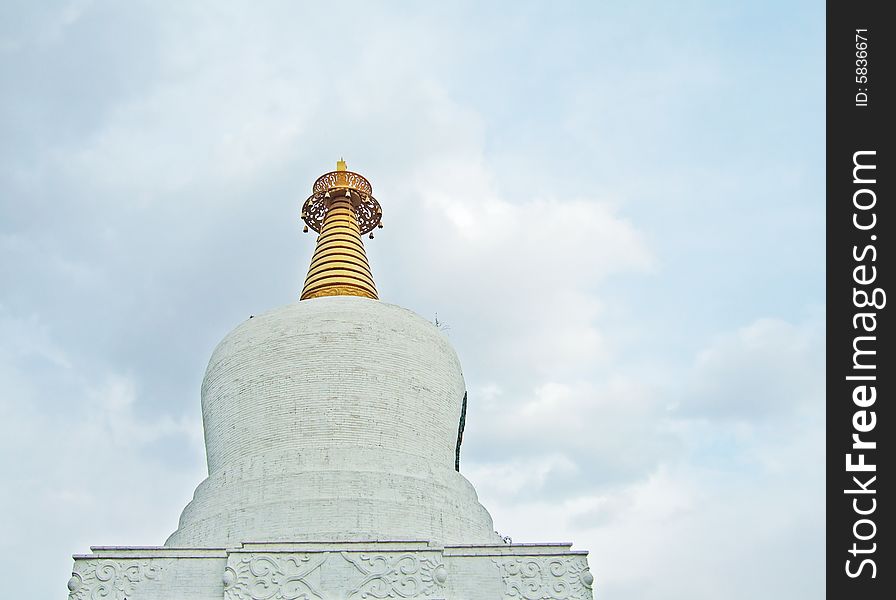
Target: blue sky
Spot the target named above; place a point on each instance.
(616, 208)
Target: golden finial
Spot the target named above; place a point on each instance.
(341, 209)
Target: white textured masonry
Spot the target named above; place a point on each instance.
(333, 419)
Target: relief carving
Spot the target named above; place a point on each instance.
(546, 578)
(274, 577)
(111, 579)
(396, 576)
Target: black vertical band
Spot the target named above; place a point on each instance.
(861, 379)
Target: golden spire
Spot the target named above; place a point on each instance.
(341, 209)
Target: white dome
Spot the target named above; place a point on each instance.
(333, 419)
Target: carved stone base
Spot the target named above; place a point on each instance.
(409, 570)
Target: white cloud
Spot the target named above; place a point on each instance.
(612, 431)
(531, 267)
(199, 128)
(85, 461)
(520, 476)
(767, 368)
(663, 496)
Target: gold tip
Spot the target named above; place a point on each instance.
(341, 166)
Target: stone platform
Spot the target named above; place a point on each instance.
(411, 570)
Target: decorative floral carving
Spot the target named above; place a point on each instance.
(273, 577)
(396, 575)
(107, 579)
(547, 578)
(342, 179)
(366, 208)
(314, 210)
(369, 213)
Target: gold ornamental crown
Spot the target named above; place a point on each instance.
(342, 182)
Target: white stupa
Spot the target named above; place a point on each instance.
(332, 430)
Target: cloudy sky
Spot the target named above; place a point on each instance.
(615, 208)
